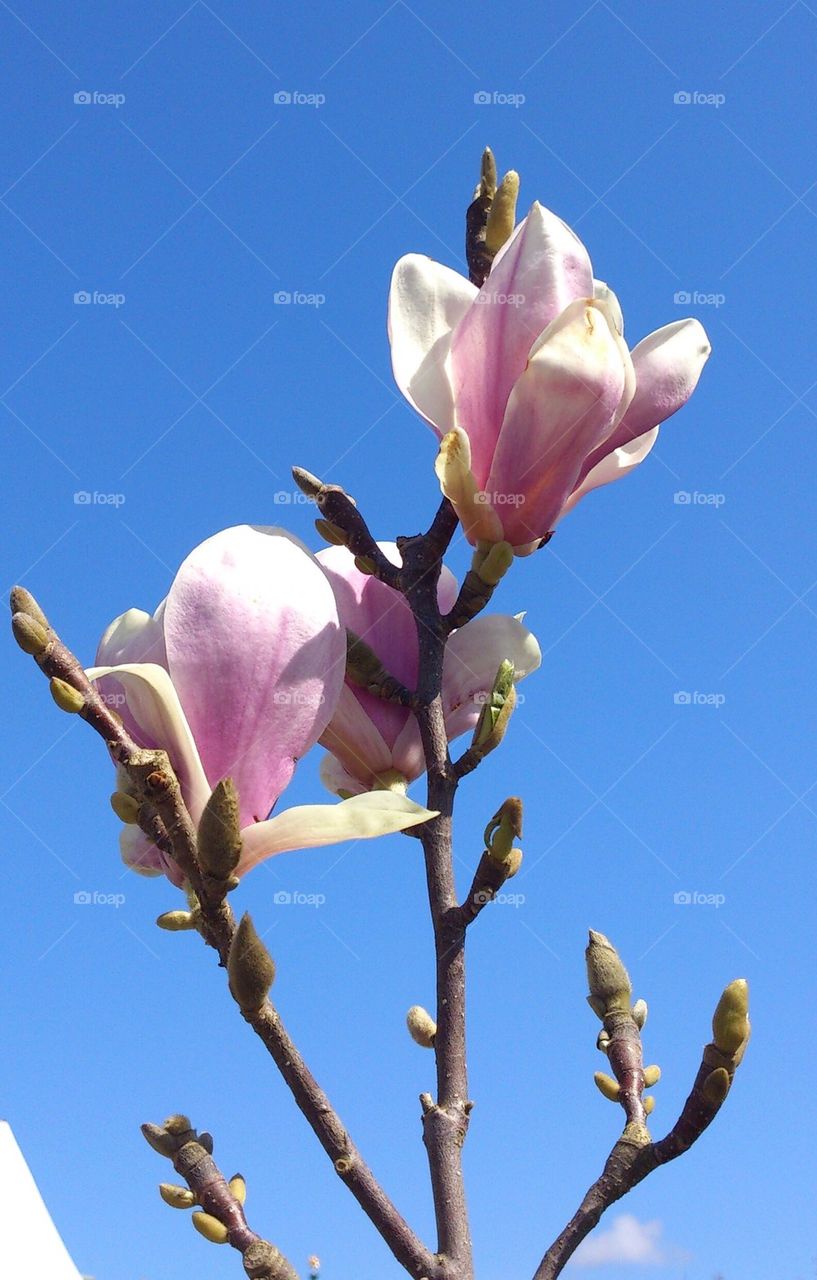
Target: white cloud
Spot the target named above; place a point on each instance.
(625, 1240)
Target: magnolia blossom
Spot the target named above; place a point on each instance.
(238, 673)
(374, 743)
(528, 381)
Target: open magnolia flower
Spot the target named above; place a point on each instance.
(237, 674)
(376, 744)
(528, 381)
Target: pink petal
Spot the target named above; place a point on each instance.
(613, 466)
(667, 366)
(542, 268)
(577, 383)
(354, 738)
(257, 656)
(426, 302)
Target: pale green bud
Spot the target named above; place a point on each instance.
(250, 967)
(177, 1197)
(66, 696)
(495, 564)
(210, 1228)
(176, 921)
(238, 1187)
(496, 710)
(649, 1104)
(502, 214)
(157, 1137)
(422, 1027)
(607, 978)
(651, 1076)
(730, 1024)
(607, 1086)
(126, 807)
(505, 827)
(31, 635)
(716, 1086)
(22, 601)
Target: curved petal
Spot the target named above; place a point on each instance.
(336, 780)
(613, 466)
(543, 267)
(426, 302)
(472, 658)
(577, 383)
(667, 366)
(135, 636)
(377, 813)
(139, 853)
(257, 655)
(156, 711)
(354, 738)
(603, 293)
(407, 753)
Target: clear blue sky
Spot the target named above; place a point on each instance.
(198, 198)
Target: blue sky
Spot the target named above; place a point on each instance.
(185, 397)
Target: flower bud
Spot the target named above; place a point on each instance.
(716, 1086)
(331, 533)
(648, 1104)
(22, 601)
(497, 709)
(238, 1187)
(157, 1137)
(177, 1197)
(496, 562)
(178, 1125)
(640, 1013)
(730, 1024)
(421, 1025)
(306, 482)
(210, 1228)
(503, 829)
(487, 177)
(176, 921)
(219, 835)
(31, 635)
(607, 1086)
(502, 214)
(607, 978)
(126, 807)
(66, 696)
(651, 1076)
(250, 967)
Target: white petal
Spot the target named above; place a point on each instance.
(604, 293)
(472, 658)
(335, 778)
(135, 636)
(154, 705)
(426, 302)
(378, 813)
(614, 466)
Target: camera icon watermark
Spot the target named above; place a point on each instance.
(494, 98)
(290, 497)
(297, 298)
(683, 698)
(86, 898)
(285, 898)
(499, 499)
(84, 298)
(294, 98)
(92, 98)
(694, 498)
(694, 98)
(84, 498)
(684, 898)
(697, 298)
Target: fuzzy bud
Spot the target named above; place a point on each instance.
(157, 1137)
(251, 968)
(176, 921)
(730, 1024)
(177, 1197)
(210, 1228)
(31, 635)
(238, 1187)
(640, 1014)
(716, 1086)
(649, 1104)
(306, 482)
(607, 1086)
(178, 1125)
(66, 696)
(607, 978)
(487, 177)
(651, 1076)
(22, 601)
(219, 835)
(422, 1027)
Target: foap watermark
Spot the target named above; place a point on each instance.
(290, 497)
(683, 898)
(481, 697)
(683, 698)
(297, 698)
(113, 700)
(499, 499)
(695, 498)
(93, 98)
(495, 98)
(697, 298)
(88, 898)
(84, 298)
(295, 898)
(500, 299)
(296, 298)
(295, 98)
(695, 98)
(84, 498)
(504, 899)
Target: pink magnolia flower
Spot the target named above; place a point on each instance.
(375, 743)
(528, 381)
(238, 672)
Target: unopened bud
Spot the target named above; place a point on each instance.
(210, 1228)
(607, 978)
(206, 1141)
(364, 564)
(640, 1014)
(505, 827)
(730, 1024)
(331, 533)
(502, 214)
(22, 601)
(607, 1086)
(238, 1187)
(177, 1197)
(716, 1086)
(66, 696)
(176, 921)
(31, 635)
(496, 710)
(250, 967)
(306, 482)
(648, 1104)
(178, 1125)
(219, 835)
(157, 1137)
(125, 806)
(651, 1076)
(496, 563)
(487, 177)
(421, 1025)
